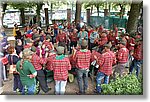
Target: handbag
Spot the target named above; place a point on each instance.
(4, 60)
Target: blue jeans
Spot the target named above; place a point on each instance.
(17, 82)
(55, 32)
(82, 79)
(30, 90)
(137, 65)
(99, 77)
(60, 87)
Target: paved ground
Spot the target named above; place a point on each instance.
(71, 88)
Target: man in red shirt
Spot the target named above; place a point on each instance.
(37, 62)
(82, 59)
(122, 59)
(60, 66)
(103, 40)
(105, 70)
(73, 38)
(112, 38)
(115, 29)
(138, 57)
(61, 37)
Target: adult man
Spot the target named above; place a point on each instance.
(103, 40)
(105, 70)
(93, 37)
(61, 37)
(82, 59)
(37, 62)
(60, 66)
(73, 39)
(122, 59)
(138, 57)
(82, 35)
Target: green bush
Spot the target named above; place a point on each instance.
(128, 85)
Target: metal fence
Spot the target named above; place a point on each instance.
(107, 22)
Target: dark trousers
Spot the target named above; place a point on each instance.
(42, 80)
(82, 79)
(17, 82)
(73, 43)
(92, 45)
(137, 65)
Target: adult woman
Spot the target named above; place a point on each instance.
(27, 73)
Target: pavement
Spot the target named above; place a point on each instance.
(71, 88)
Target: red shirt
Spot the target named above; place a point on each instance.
(89, 33)
(82, 59)
(116, 31)
(105, 62)
(48, 45)
(101, 29)
(113, 56)
(60, 68)
(122, 55)
(50, 60)
(112, 39)
(28, 35)
(72, 62)
(95, 53)
(73, 37)
(26, 46)
(55, 26)
(138, 52)
(38, 62)
(61, 38)
(103, 41)
(129, 44)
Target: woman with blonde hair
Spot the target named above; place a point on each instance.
(27, 72)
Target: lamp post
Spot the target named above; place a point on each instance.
(46, 14)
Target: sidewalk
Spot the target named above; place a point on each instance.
(71, 88)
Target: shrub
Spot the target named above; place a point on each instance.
(128, 85)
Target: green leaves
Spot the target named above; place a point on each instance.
(128, 85)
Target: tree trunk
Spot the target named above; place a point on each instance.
(22, 16)
(51, 10)
(97, 9)
(109, 8)
(78, 11)
(4, 6)
(39, 7)
(91, 10)
(133, 17)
